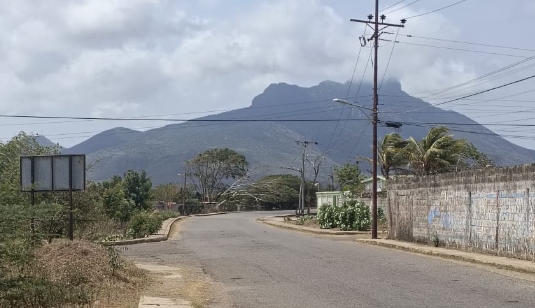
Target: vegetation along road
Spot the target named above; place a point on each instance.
(257, 265)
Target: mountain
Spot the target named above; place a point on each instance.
(44, 141)
(104, 140)
(278, 117)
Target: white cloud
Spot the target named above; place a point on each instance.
(137, 57)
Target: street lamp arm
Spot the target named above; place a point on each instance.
(343, 101)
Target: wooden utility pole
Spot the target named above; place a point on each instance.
(375, 38)
(301, 209)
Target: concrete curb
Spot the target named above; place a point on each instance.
(159, 237)
(517, 265)
(210, 214)
(283, 225)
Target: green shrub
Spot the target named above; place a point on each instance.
(381, 217)
(193, 206)
(168, 214)
(351, 215)
(143, 224)
(327, 216)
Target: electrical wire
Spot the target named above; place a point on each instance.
(461, 49)
(356, 96)
(474, 94)
(441, 90)
(439, 9)
(465, 42)
(402, 7)
(391, 6)
(347, 94)
(169, 119)
(389, 58)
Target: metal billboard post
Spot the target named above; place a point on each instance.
(49, 173)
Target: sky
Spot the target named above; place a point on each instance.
(183, 59)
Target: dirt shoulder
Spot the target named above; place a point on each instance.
(175, 276)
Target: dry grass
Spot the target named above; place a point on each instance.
(89, 265)
(197, 291)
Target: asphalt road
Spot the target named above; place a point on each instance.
(263, 266)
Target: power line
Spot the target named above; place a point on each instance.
(461, 49)
(493, 99)
(347, 94)
(359, 138)
(476, 83)
(439, 9)
(170, 120)
(437, 91)
(474, 94)
(468, 43)
(389, 58)
(356, 96)
(386, 8)
(402, 7)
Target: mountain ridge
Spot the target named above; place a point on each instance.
(342, 132)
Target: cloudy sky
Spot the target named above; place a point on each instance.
(188, 58)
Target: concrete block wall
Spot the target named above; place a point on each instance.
(381, 202)
(485, 210)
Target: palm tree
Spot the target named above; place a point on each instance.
(435, 153)
(390, 154)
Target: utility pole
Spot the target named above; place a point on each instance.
(301, 209)
(184, 195)
(375, 38)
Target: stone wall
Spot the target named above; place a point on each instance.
(381, 202)
(486, 210)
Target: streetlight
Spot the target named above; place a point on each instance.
(374, 158)
(343, 101)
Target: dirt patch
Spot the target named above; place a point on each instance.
(181, 284)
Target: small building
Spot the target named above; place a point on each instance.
(381, 183)
(331, 197)
(339, 197)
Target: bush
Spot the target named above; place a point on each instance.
(167, 214)
(327, 216)
(351, 215)
(143, 224)
(193, 206)
(381, 217)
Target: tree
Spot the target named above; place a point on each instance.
(349, 177)
(436, 153)
(316, 163)
(473, 159)
(390, 154)
(275, 191)
(116, 205)
(138, 188)
(10, 153)
(211, 168)
(167, 192)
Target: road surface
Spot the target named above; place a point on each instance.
(263, 266)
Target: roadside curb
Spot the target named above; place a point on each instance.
(517, 265)
(282, 225)
(210, 214)
(159, 237)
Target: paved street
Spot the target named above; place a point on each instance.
(263, 266)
